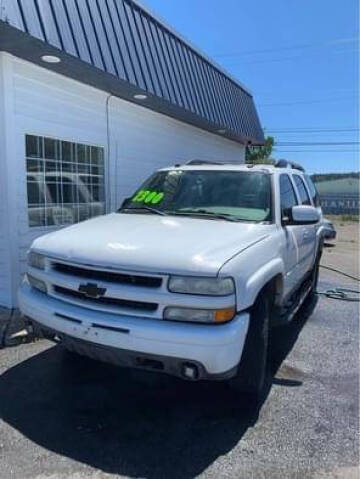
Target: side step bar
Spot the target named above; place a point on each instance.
(286, 315)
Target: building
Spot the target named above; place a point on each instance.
(341, 196)
(94, 95)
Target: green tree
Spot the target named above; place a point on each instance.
(261, 154)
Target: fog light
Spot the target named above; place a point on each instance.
(175, 313)
(37, 283)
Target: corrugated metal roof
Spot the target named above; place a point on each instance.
(122, 39)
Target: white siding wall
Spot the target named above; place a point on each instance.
(6, 276)
(142, 140)
(47, 104)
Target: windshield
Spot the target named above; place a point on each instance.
(233, 195)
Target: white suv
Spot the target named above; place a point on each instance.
(187, 277)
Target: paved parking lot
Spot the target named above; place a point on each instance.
(65, 419)
(60, 418)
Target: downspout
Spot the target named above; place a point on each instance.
(2, 11)
(108, 159)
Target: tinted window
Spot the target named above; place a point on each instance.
(304, 196)
(287, 195)
(313, 192)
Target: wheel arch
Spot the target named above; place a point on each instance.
(275, 289)
(270, 278)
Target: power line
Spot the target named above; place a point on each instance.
(330, 91)
(310, 130)
(307, 102)
(312, 136)
(316, 151)
(338, 41)
(315, 143)
(285, 59)
(310, 127)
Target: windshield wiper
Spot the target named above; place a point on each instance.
(146, 208)
(207, 213)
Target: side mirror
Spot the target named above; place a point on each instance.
(303, 215)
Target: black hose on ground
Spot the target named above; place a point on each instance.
(340, 272)
(343, 294)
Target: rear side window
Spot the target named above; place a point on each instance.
(287, 195)
(304, 196)
(313, 192)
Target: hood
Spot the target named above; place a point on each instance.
(145, 242)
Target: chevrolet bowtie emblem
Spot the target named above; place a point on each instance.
(91, 290)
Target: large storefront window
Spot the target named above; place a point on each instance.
(65, 181)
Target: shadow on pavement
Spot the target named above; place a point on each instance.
(128, 422)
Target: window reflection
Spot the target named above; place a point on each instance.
(65, 181)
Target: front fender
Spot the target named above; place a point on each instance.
(256, 282)
(320, 236)
(254, 268)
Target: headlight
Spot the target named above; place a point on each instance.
(37, 283)
(205, 286)
(199, 315)
(36, 260)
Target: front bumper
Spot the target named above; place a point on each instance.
(140, 342)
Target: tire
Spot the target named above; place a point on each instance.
(314, 279)
(253, 370)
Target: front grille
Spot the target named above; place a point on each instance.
(120, 278)
(105, 301)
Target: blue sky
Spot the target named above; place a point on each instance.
(299, 59)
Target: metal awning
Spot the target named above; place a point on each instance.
(119, 47)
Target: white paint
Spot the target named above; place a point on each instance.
(4, 237)
(142, 140)
(44, 103)
(8, 270)
(218, 348)
(251, 254)
(305, 214)
(193, 246)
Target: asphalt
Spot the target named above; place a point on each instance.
(62, 417)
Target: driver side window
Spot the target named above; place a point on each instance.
(287, 195)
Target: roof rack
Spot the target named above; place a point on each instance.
(288, 164)
(202, 162)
